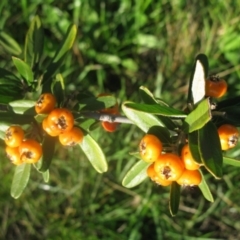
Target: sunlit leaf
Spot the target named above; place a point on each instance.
(23, 69)
(94, 153)
(197, 80)
(136, 175)
(210, 149)
(205, 189)
(143, 120)
(34, 42)
(174, 198)
(20, 179)
(157, 109)
(23, 106)
(198, 117)
(231, 161)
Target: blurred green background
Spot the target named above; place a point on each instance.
(120, 46)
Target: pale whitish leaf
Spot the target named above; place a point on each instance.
(198, 83)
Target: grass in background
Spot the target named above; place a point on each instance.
(122, 45)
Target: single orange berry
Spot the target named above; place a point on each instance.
(49, 130)
(155, 178)
(228, 135)
(14, 136)
(45, 103)
(14, 155)
(169, 167)
(150, 148)
(60, 120)
(190, 178)
(110, 126)
(72, 137)
(187, 158)
(30, 151)
(215, 87)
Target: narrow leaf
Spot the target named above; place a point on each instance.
(198, 117)
(210, 149)
(46, 176)
(20, 179)
(143, 120)
(157, 109)
(94, 153)
(24, 69)
(231, 161)
(136, 175)
(174, 198)
(8, 78)
(65, 46)
(48, 147)
(193, 141)
(9, 44)
(205, 189)
(34, 42)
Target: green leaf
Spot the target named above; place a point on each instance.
(161, 132)
(193, 141)
(174, 198)
(34, 42)
(20, 179)
(99, 103)
(143, 120)
(148, 98)
(94, 153)
(196, 90)
(23, 107)
(12, 118)
(210, 149)
(48, 147)
(24, 69)
(136, 175)
(46, 176)
(231, 161)
(198, 117)
(205, 189)
(9, 79)
(157, 110)
(9, 44)
(3, 128)
(65, 46)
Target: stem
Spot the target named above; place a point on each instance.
(107, 117)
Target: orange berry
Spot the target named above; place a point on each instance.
(215, 87)
(169, 167)
(49, 130)
(45, 103)
(187, 158)
(150, 148)
(110, 126)
(60, 120)
(14, 155)
(72, 137)
(30, 151)
(155, 178)
(228, 135)
(14, 136)
(190, 178)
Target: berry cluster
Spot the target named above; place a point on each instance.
(169, 167)
(59, 121)
(20, 150)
